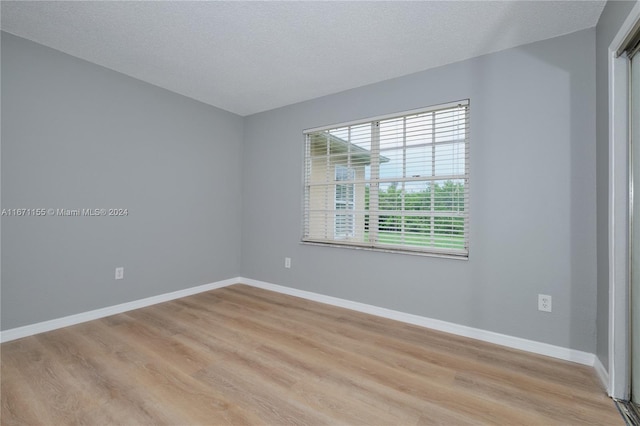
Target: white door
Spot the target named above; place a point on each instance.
(635, 249)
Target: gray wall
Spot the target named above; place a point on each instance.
(533, 204)
(76, 135)
(612, 18)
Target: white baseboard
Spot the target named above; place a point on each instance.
(559, 352)
(448, 327)
(602, 374)
(41, 327)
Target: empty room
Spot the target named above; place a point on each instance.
(319, 212)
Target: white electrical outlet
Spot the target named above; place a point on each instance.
(119, 273)
(287, 262)
(544, 303)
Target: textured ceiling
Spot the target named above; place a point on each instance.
(247, 57)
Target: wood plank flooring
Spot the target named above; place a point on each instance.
(241, 355)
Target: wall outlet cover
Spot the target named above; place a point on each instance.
(544, 303)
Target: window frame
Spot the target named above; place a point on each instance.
(374, 183)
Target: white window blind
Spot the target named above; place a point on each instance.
(399, 182)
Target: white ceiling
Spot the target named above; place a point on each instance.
(247, 57)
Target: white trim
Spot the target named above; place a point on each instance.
(353, 246)
(559, 352)
(618, 386)
(618, 228)
(601, 372)
(41, 327)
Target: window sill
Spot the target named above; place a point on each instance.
(388, 250)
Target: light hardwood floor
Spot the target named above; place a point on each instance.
(242, 355)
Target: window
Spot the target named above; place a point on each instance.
(344, 200)
(398, 182)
